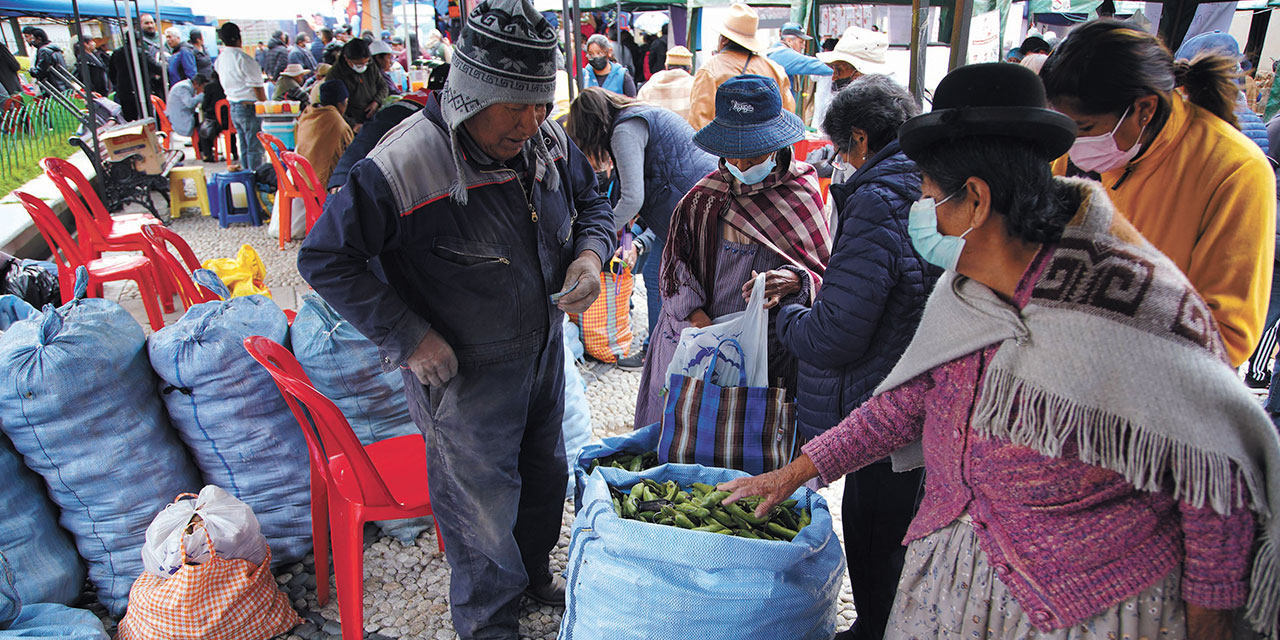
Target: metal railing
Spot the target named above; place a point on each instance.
(33, 129)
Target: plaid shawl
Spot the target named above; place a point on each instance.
(783, 213)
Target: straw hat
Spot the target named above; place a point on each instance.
(294, 70)
(863, 48)
(679, 57)
(740, 26)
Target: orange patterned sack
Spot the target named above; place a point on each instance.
(219, 599)
(606, 324)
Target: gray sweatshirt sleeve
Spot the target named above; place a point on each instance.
(629, 139)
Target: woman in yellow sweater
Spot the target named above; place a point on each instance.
(1174, 164)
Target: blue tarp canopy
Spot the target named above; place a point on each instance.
(91, 9)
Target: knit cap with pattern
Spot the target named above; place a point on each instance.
(505, 54)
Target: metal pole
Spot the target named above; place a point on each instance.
(569, 61)
(960, 34)
(577, 42)
(131, 41)
(20, 43)
(919, 46)
(415, 46)
(164, 68)
(89, 100)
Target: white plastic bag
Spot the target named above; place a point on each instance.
(231, 525)
(297, 219)
(750, 328)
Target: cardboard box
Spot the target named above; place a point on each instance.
(135, 138)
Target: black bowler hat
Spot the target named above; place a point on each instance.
(993, 99)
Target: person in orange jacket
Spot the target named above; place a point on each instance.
(1175, 165)
(739, 53)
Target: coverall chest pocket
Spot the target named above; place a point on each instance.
(475, 282)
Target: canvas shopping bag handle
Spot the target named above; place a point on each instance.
(715, 357)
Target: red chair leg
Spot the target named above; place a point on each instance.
(320, 535)
(347, 529)
(286, 220)
(166, 288)
(150, 302)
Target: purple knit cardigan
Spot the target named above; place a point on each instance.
(1068, 539)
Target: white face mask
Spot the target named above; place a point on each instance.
(1099, 154)
(359, 68)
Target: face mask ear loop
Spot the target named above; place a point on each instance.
(965, 233)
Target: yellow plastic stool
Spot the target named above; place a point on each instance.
(178, 195)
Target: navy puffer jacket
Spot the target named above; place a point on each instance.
(1251, 125)
(871, 298)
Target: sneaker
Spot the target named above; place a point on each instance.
(549, 593)
(634, 361)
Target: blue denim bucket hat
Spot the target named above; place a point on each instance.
(749, 121)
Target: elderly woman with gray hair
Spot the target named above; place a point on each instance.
(871, 299)
(602, 71)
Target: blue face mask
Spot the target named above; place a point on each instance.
(755, 174)
(935, 248)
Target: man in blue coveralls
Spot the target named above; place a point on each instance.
(485, 220)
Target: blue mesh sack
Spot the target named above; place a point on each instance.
(345, 366)
(48, 620)
(13, 309)
(632, 579)
(638, 441)
(82, 410)
(231, 416)
(577, 412)
(42, 554)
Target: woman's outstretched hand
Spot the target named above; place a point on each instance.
(773, 487)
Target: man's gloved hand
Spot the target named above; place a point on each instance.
(433, 361)
(585, 274)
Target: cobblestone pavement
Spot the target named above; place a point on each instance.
(406, 586)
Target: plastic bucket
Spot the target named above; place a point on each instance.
(283, 129)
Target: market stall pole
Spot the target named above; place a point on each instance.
(960, 34)
(566, 19)
(164, 68)
(919, 41)
(132, 58)
(89, 100)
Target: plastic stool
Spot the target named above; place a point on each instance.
(227, 211)
(178, 192)
(215, 198)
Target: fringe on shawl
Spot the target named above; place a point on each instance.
(1009, 408)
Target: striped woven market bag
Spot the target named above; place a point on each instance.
(752, 429)
(219, 599)
(606, 324)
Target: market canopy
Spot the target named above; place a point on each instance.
(91, 9)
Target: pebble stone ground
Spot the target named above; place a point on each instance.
(406, 586)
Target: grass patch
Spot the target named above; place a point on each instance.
(38, 130)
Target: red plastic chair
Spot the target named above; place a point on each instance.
(162, 122)
(304, 176)
(108, 269)
(178, 273)
(286, 187)
(352, 485)
(80, 184)
(116, 235)
(222, 113)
